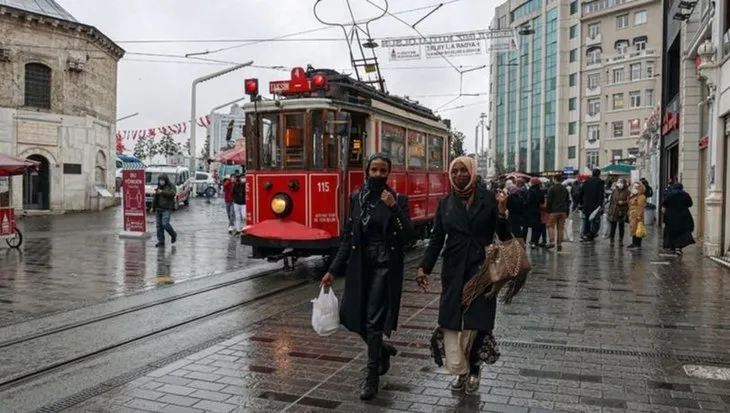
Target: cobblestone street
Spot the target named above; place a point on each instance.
(75, 260)
(597, 329)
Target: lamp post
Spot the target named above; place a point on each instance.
(210, 147)
(192, 106)
(127, 117)
(481, 156)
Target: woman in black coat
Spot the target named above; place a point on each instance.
(678, 222)
(465, 221)
(371, 258)
(535, 198)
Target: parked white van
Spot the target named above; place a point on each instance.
(179, 175)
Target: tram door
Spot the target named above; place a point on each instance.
(339, 127)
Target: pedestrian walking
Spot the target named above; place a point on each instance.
(637, 206)
(239, 201)
(163, 203)
(678, 221)
(466, 221)
(558, 207)
(618, 210)
(228, 198)
(371, 258)
(535, 198)
(592, 197)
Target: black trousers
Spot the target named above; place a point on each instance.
(621, 224)
(636, 241)
(588, 228)
(475, 362)
(375, 277)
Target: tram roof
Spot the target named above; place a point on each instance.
(341, 84)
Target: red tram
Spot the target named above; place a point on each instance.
(306, 151)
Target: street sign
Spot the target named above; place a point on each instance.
(135, 224)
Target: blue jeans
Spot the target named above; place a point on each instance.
(163, 224)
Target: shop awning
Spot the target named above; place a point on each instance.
(11, 165)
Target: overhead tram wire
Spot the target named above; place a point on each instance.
(312, 30)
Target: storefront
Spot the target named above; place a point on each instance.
(670, 150)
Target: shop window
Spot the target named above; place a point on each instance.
(38, 85)
(416, 150)
(635, 127)
(436, 153)
(294, 140)
(393, 143)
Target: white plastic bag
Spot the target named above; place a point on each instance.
(569, 230)
(325, 313)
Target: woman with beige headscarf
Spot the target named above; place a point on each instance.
(469, 216)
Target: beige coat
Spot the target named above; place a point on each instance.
(637, 206)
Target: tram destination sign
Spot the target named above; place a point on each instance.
(450, 45)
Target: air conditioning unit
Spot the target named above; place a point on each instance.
(4, 55)
(75, 65)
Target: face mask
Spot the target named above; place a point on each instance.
(620, 185)
(376, 183)
(161, 182)
(634, 191)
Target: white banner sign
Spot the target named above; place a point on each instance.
(405, 53)
(450, 45)
(455, 49)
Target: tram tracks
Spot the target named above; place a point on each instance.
(31, 356)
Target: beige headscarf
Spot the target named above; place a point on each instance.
(471, 166)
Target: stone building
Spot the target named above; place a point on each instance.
(58, 81)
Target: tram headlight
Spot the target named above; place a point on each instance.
(281, 205)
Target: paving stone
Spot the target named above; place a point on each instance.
(174, 389)
(142, 404)
(211, 395)
(215, 407)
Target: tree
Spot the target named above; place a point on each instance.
(151, 148)
(140, 148)
(456, 143)
(120, 144)
(167, 146)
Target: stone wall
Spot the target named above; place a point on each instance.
(91, 92)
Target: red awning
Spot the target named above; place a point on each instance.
(10, 165)
(237, 156)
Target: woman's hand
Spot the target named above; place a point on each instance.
(501, 203)
(422, 279)
(327, 280)
(387, 198)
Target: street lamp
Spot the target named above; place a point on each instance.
(192, 106)
(127, 117)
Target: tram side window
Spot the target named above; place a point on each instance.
(436, 153)
(294, 140)
(324, 141)
(270, 147)
(394, 143)
(416, 150)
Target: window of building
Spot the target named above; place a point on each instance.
(594, 30)
(571, 152)
(636, 71)
(594, 81)
(618, 101)
(640, 17)
(618, 129)
(594, 106)
(416, 150)
(393, 143)
(635, 99)
(38, 85)
(594, 55)
(649, 69)
(649, 97)
(622, 21)
(618, 75)
(634, 127)
(594, 133)
(617, 154)
(633, 152)
(572, 126)
(573, 7)
(574, 31)
(436, 152)
(572, 79)
(621, 46)
(592, 158)
(640, 43)
(572, 103)
(573, 55)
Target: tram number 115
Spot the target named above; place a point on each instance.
(323, 186)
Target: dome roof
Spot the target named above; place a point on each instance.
(48, 8)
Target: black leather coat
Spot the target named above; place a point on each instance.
(348, 262)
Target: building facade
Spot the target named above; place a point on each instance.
(58, 81)
(620, 80)
(529, 96)
(218, 129)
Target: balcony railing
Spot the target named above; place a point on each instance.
(600, 5)
(636, 54)
(593, 92)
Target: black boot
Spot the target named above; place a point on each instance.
(372, 381)
(386, 352)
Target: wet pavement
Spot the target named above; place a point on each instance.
(596, 329)
(76, 260)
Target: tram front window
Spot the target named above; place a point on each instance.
(294, 140)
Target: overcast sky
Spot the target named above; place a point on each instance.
(159, 87)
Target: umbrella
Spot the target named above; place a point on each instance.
(618, 168)
(10, 165)
(237, 156)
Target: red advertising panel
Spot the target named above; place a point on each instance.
(397, 182)
(7, 221)
(324, 200)
(250, 205)
(417, 184)
(134, 200)
(355, 181)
